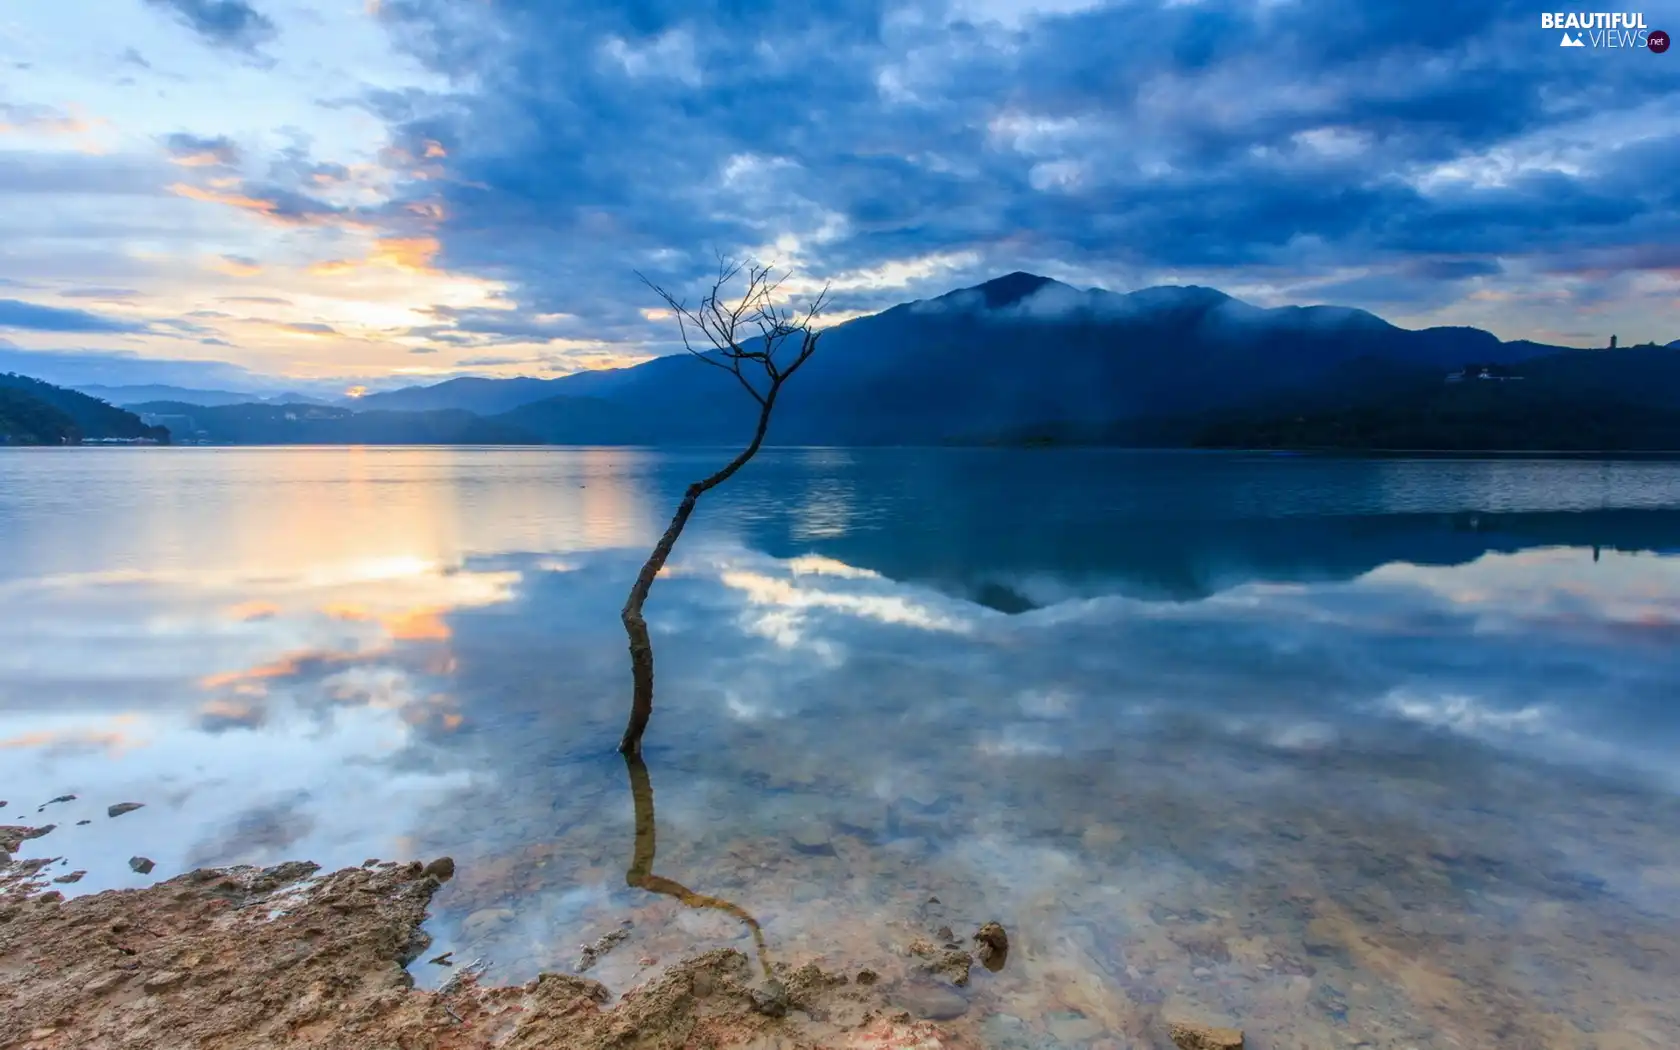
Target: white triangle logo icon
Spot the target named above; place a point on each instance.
(1570, 41)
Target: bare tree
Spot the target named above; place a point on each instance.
(746, 336)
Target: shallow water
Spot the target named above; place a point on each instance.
(1350, 753)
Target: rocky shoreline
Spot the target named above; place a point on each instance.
(241, 958)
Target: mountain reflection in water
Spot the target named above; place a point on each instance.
(1338, 750)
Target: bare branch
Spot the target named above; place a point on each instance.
(722, 326)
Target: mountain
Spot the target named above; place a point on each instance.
(1023, 349)
(92, 418)
(310, 424)
(1013, 351)
(1577, 400)
(27, 420)
(485, 397)
(134, 395)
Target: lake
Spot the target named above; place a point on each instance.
(1350, 753)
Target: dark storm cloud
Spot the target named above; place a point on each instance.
(1421, 142)
(222, 23)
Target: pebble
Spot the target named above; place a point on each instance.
(1201, 972)
(483, 921)
(1069, 1027)
(142, 865)
(931, 1001)
(1188, 1035)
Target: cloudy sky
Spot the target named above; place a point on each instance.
(373, 189)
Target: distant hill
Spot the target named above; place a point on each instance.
(581, 421)
(134, 395)
(307, 424)
(1577, 400)
(27, 420)
(91, 418)
(1011, 353)
(485, 397)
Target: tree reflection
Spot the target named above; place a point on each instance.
(641, 874)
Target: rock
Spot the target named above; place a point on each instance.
(952, 965)
(74, 876)
(812, 840)
(1201, 972)
(483, 921)
(944, 935)
(61, 798)
(1188, 1035)
(603, 944)
(142, 865)
(81, 823)
(35, 833)
(442, 960)
(1069, 1027)
(771, 999)
(370, 862)
(935, 1002)
(1322, 938)
(443, 868)
(164, 980)
(123, 807)
(105, 982)
(867, 977)
(993, 946)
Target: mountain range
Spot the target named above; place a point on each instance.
(1018, 358)
(36, 413)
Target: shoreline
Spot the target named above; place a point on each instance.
(243, 957)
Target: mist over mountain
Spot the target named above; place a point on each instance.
(1016, 351)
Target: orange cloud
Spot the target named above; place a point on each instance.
(411, 254)
(234, 266)
(417, 625)
(248, 611)
(346, 611)
(202, 159)
(266, 208)
(331, 268)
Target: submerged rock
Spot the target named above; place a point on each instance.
(951, 964)
(123, 807)
(935, 1002)
(1189, 1035)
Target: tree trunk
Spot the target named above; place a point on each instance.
(641, 648)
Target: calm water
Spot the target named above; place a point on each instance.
(1352, 753)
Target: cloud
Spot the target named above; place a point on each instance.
(16, 314)
(195, 152)
(1309, 140)
(100, 293)
(39, 119)
(124, 368)
(222, 23)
